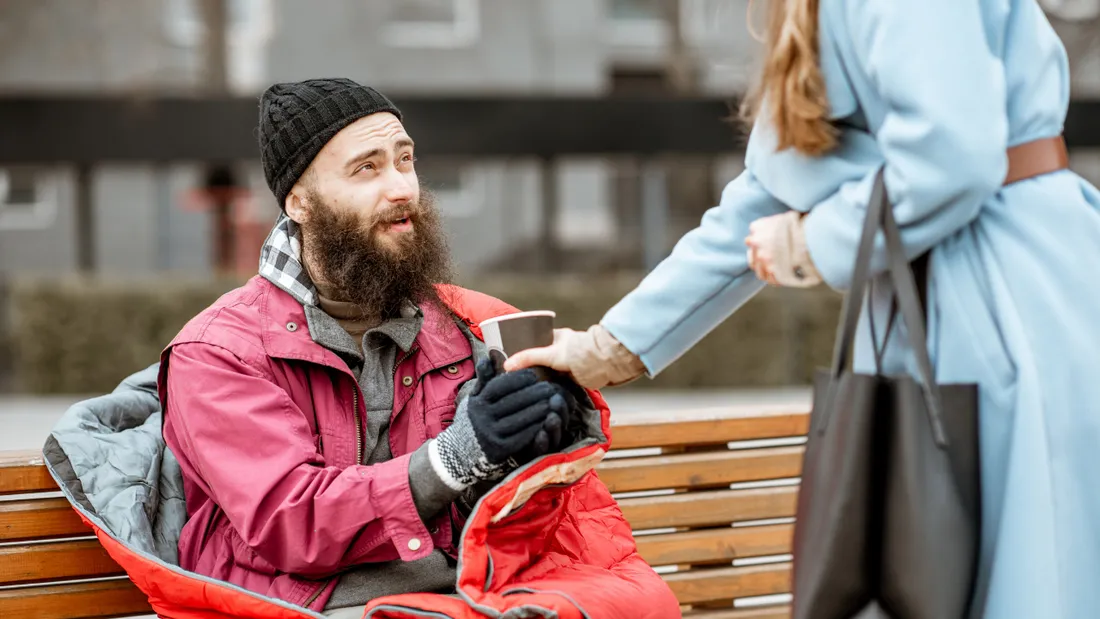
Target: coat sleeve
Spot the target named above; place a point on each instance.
(943, 134)
(253, 451)
(703, 281)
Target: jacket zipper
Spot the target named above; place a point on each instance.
(316, 594)
(355, 409)
(401, 360)
(358, 426)
(358, 460)
(359, 448)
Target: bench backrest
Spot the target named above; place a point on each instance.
(44, 544)
(710, 495)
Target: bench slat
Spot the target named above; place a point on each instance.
(709, 426)
(767, 612)
(34, 519)
(711, 545)
(29, 563)
(696, 509)
(113, 598)
(700, 469)
(703, 585)
(24, 472)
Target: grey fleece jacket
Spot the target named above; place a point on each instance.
(372, 361)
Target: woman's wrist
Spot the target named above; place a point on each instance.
(803, 269)
(620, 365)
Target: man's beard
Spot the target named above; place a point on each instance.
(375, 274)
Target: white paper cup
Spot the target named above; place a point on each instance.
(509, 334)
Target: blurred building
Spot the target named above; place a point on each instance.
(151, 218)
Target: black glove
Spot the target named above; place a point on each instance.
(499, 421)
(555, 432)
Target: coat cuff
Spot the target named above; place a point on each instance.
(401, 521)
(429, 492)
(832, 231)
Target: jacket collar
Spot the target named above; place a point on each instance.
(327, 331)
(287, 328)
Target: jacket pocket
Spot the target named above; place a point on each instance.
(438, 417)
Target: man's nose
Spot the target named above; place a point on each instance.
(399, 188)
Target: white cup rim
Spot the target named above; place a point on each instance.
(516, 315)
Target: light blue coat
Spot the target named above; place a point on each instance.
(944, 86)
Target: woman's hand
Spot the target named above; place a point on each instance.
(777, 251)
(594, 358)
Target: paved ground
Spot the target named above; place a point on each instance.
(25, 420)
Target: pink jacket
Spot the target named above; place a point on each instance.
(268, 453)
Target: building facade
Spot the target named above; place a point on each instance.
(149, 218)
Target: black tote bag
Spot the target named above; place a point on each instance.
(889, 503)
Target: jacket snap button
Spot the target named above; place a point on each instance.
(414, 544)
(408, 380)
(452, 369)
(291, 326)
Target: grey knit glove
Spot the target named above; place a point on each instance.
(498, 421)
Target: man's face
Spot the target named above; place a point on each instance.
(367, 233)
(365, 170)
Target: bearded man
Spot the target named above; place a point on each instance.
(335, 418)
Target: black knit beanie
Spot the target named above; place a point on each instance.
(297, 119)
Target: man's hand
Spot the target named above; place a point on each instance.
(554, 434)
(501, 419)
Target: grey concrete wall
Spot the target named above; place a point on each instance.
(187, 232)
(49, 249)
(496, 211)
(126, 213)
(65, 46)
(523, 46)
(141, 226)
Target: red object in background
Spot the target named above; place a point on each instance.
(238, 228)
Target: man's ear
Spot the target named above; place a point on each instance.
(295, 205)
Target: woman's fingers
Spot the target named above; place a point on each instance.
(760, 263)
(531, 357)
(552, 356)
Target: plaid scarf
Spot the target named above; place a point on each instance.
(281, 262)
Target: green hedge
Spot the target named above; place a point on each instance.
(84, 336)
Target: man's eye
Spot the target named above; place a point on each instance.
(365, 166)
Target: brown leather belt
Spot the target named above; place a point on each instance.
(1036, 158)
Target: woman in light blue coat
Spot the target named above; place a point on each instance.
(938, 91)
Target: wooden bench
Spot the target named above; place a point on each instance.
(711, 509)
(711, 497)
